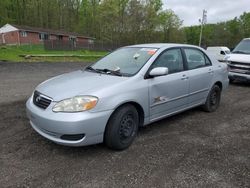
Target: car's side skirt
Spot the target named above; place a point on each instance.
(175, 112)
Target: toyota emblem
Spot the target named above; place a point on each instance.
(38, 98)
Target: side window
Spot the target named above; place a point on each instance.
(172, 59)
(208, 62)
(222, 53)
(196, 59)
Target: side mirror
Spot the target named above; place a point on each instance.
(158, 71)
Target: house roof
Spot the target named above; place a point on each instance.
(49, 31)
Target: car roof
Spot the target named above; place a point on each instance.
(161, 45)
(215, 47)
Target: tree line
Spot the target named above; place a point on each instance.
(120, 21)
(228, 33)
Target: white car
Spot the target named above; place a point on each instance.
(219, 52)
(239, 62)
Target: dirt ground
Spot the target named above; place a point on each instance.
(192, 149)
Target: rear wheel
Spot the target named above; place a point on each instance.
(122, 128)
(213, 99)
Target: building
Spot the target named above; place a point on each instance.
(16, 35)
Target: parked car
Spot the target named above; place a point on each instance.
(219, 52)
(239, 62)
(131, 87)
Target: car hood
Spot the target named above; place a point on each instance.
(242, 58)
(77, 83)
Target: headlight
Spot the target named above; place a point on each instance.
(226, 58)
(76, 104)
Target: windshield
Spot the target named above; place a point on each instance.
(127, 61)
(243, 47)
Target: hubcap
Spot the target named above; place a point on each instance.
(127, 127)
(213, 98)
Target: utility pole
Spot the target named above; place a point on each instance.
(202, 21)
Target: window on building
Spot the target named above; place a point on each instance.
(43, 36)
(23, 33)
(91, 41)
(59, 37)
(72, 38)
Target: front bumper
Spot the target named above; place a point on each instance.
(53, 125)
(239, 76)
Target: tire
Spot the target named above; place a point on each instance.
(122, 128)
(231, 80)
(213, 99)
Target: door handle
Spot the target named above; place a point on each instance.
(184, 77)
(210, 71)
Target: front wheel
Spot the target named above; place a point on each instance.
(213, 99)
(122, 128)
(231, 80)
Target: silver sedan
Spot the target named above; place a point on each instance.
(131, 87)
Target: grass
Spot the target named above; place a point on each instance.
(12, 54)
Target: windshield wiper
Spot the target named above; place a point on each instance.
(93, 70)
(108, 71)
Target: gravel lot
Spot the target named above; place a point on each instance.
(192, 149)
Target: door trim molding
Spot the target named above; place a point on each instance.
(177, 98)
(170, 100)
(199, 91)
(172, 113)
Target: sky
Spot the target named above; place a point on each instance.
(217, 10)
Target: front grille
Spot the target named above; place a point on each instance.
(238, 67)
(40, 100)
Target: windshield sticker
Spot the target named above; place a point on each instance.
(151, 51)
(136, 56)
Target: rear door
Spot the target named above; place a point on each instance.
(168, 93)
(200, 75)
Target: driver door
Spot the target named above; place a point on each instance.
(168, 94)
